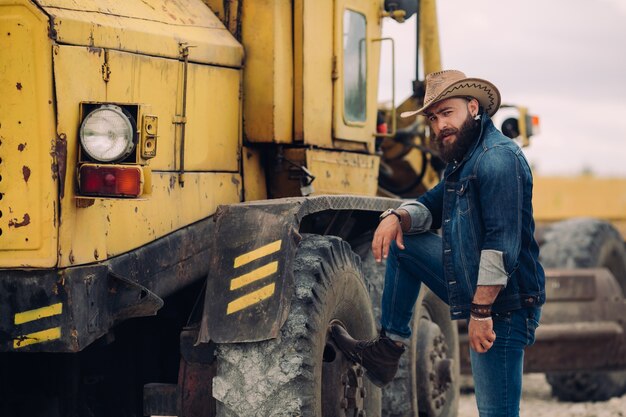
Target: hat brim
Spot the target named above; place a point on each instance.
(482, 90)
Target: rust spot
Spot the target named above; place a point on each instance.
(136, 209)
(26, 173)
(84, 202)
(71, 257)
(234, 180)
(18, 86)
(94, 50)
(172, 182)
(25, 221)
(52, 31)
(21, 146)
(60, 152)
(95, 254)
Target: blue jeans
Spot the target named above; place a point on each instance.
(498, 372)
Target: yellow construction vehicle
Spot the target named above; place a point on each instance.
(187, 194)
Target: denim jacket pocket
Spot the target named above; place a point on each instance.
(463, 197)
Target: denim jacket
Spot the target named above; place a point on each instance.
(484, 207)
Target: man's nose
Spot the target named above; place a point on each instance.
(441, 124)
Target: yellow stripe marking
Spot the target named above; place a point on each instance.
(257, 274)
(257, 253)
(38, 313)
(37, 337)
(250, 299)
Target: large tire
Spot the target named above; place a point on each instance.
(300, 373)
(401, 398)
(585, 243)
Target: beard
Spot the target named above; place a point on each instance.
(465, 138)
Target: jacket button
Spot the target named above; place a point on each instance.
(530, 300)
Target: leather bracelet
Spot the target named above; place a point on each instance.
(480, 318)
(481, 310)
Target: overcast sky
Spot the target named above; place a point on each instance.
(563, 59)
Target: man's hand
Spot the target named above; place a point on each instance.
(481, 335)
(387, 231)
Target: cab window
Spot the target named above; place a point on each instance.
(354, 66)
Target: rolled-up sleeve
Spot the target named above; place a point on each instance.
(491, 269)
(421, 218)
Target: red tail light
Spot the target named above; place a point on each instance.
(110, 181)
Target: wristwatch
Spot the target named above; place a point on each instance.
(389, 212)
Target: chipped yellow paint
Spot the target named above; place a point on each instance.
(251, 299)
(109, 226)
(38, 313)
(28, 189)
(343, 172)
(37, 337)
(259, 273)
(257, 253)
(150, 27)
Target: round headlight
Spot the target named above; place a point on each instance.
(107, 134)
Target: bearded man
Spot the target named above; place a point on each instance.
(483, 264)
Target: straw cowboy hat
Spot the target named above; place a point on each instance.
(451, 83)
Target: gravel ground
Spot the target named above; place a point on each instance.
(537, 402)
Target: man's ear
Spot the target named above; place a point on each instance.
(473, 107)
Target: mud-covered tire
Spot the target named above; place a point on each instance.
(401, 396)
(585, 243)
(435, 358)
(283, 376)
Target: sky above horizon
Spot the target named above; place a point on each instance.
(564, 60)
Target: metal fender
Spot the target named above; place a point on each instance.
(250, 281)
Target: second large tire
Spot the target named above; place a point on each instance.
(585, 243)
(434, 339)
(300, 373)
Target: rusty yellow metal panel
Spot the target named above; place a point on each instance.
(314, 117)
(213, 119)
(255, 186)
(156, 83)
(559, 198)
(93, 229)
(343, 127)
(212, 111)
(28, 191)
(151, 27)
(343, 172)
(101, 228)
(268, 73)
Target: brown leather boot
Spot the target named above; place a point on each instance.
(379, 357)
